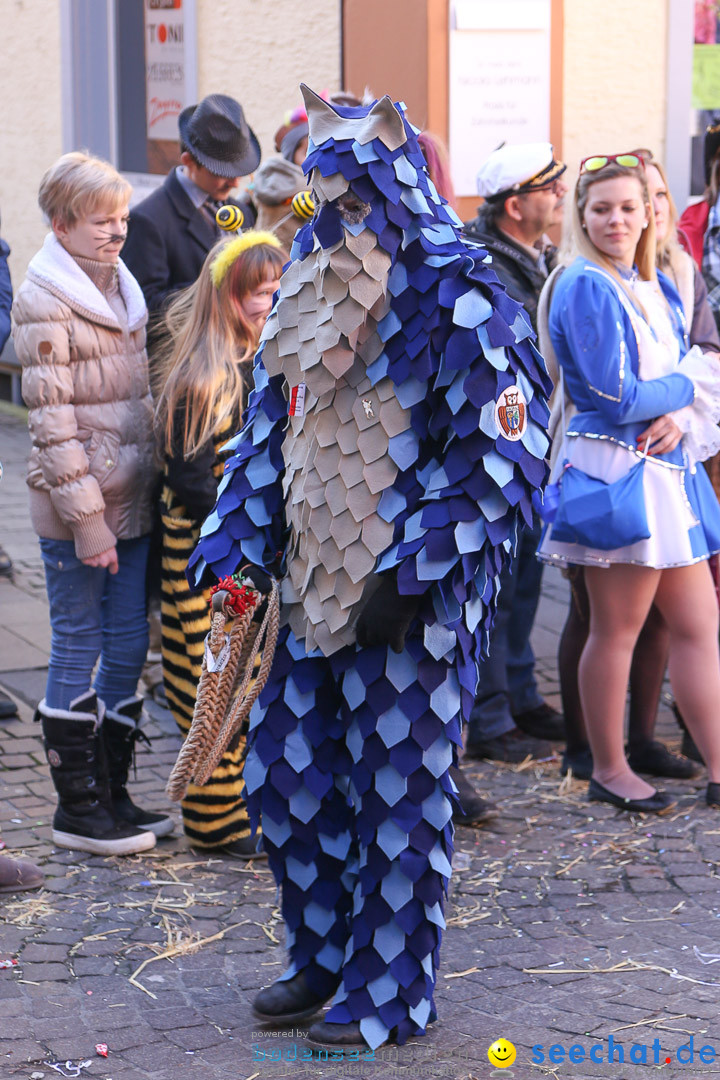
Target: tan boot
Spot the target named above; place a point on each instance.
(16, 875)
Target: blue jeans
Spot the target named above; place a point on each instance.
(507, 678)
(94, 613)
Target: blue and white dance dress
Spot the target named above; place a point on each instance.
(625, 364)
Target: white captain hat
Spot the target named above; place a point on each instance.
(513, 170)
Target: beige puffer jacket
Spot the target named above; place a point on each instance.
(85, 380)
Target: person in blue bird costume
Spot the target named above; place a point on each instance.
(390, 452)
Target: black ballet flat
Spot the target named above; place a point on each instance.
(657, 803)
(712, 796)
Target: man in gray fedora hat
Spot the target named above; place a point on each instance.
(172, 230)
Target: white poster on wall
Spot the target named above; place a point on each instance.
(499, 80)
(165, 66)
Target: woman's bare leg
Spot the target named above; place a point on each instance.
(620, 598)
(647, 670)
(686, 598)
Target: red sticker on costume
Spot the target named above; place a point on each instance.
(297, 400)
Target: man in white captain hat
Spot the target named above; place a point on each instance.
(523, 187)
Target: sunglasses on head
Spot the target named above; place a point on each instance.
(599, 161)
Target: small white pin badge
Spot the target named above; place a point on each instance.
(367, 406)
(511, 413)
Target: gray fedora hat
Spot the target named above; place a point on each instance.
(217, 135)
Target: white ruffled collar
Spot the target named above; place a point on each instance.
(55, 269)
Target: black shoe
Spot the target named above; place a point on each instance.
(338, 1035)
(657, 803)
(712, 795)
(121, 731)
(5, 563)
(544, 722)
(655, 759)
(579, 761)
(511, 746)
(8, 708)
(473, 809)
(244, 848)
(84, 819)
(290, 1000)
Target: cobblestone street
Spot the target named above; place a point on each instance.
(569, 924)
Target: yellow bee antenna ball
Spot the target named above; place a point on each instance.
(229, 217)
(303, 205)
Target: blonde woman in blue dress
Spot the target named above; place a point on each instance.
(618, 331)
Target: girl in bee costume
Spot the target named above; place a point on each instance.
(213, 333)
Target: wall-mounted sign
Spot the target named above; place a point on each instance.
(499, 80)
(170, 76)
(164, 66)
(706, 77)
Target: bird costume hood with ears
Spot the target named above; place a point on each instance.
(382, 121)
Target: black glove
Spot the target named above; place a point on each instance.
(259, 579)
(262, 581)
(387, 615)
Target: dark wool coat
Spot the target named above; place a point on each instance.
(168, 240)
(516, 268)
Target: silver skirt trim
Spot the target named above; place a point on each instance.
(605, 564)
(626, 446)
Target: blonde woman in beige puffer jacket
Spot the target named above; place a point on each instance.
(79, 331)
(80, 334)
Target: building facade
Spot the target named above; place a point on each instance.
(111, 75)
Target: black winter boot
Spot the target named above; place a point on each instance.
(121, 730)
(84, 819)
